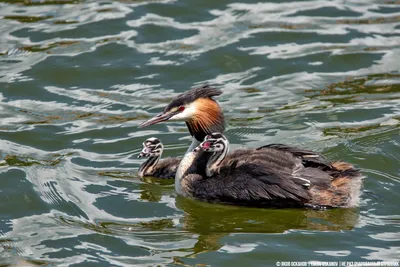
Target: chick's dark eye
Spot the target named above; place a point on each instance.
(181, 108)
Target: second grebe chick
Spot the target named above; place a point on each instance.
(249, 177)
(153, 166)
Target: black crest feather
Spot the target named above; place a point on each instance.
(191, 95)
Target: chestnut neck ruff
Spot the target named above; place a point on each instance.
(208, 119)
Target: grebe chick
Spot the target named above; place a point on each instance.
(153, 166)
(264, 177)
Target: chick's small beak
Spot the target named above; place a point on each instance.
(144, 153)
(156, 119)
(203, 146)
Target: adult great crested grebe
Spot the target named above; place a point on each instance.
(265, 177)
(203, 116)
(153, 166)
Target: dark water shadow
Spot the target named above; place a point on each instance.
(212, 222)
(206, 218)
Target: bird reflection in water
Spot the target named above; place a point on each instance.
(212, 222)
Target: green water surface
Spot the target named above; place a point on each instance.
(77, 78)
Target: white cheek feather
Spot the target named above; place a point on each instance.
(189, 111)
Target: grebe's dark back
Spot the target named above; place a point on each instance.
(270, 176)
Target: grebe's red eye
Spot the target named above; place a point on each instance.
(181, 108)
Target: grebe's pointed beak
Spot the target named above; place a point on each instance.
(157, 119)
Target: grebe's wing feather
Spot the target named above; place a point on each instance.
(315, 167)
(249, 184)
(308, 157)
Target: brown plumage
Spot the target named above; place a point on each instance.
(206, 119)
(343, 166)
(344, 189)
(207, 113)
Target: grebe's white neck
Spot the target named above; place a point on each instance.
(193, 145)
(184, 165)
